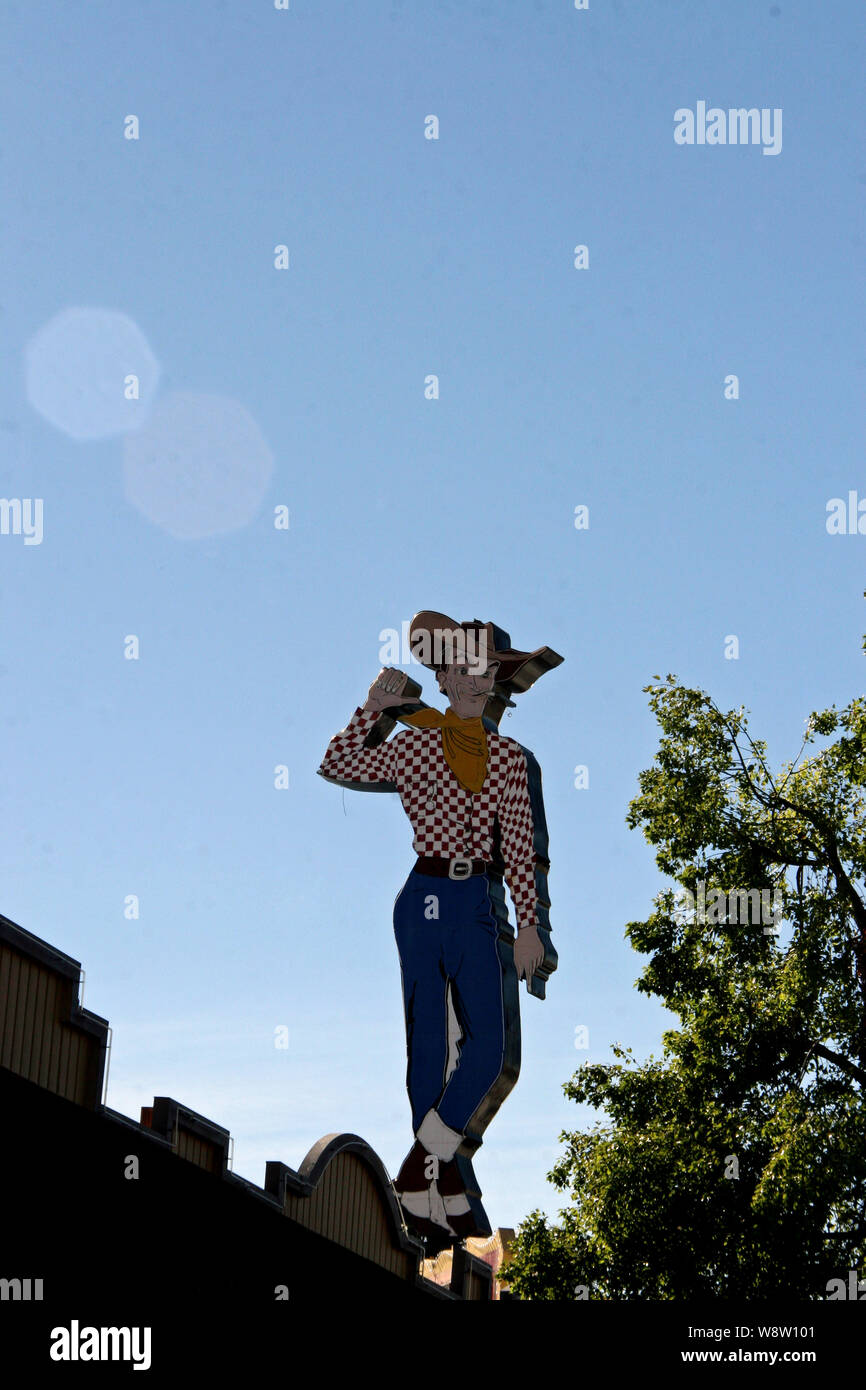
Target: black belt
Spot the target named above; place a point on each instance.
(461, 866)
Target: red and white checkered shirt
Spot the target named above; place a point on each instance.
(447, 819)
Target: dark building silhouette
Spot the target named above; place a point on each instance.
(185, 1233)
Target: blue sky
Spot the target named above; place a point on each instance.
(305, 388)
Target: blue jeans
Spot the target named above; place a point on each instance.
(448, 935)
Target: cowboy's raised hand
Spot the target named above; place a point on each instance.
(387, 691)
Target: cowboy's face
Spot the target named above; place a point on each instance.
(467, 686)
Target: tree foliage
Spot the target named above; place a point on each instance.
(735, 1166)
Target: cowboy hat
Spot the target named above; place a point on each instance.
(434, 641)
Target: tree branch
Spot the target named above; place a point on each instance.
(842, 1062)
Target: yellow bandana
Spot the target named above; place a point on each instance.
(464, 743)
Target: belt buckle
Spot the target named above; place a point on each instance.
(460, 867)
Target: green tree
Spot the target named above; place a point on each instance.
(735, 1166)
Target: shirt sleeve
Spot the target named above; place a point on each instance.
(347, 760)
(517, 831)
